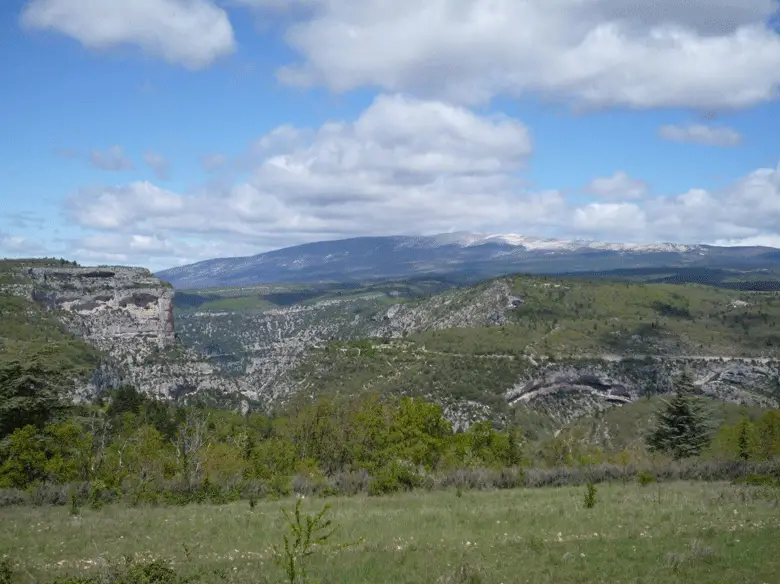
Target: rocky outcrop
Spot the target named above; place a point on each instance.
(127, 313)
(113, 308)
(572, 389)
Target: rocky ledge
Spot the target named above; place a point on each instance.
(109, 306)
(127, 313)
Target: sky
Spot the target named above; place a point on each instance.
(163, 132)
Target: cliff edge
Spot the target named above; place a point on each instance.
(126, 313)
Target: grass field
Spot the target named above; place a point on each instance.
(675, 532)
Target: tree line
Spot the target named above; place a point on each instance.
(130, 443)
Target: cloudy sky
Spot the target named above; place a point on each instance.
(162, 132)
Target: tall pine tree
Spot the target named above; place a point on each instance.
(682, 425)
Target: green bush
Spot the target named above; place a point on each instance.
(644, 478)
(395, 477)
(6, 571)
(590, 496)
(759, 480)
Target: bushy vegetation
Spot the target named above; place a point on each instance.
(162, 452)
(40, 361)
(145, 451)
(574, 316)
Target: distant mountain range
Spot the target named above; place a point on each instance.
(465, 256)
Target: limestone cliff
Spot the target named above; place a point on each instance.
(116, 308)
(128, 314)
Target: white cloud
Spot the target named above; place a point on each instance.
(159, 164)
(19, 246)
(404, 166)
(767, 240)
(618, 186)
(619, 220)
(120, 207)
(112, 159)
(701, 134)
(193, 33)
(708, 54)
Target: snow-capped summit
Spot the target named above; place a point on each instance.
(464, 253)
(469, 239)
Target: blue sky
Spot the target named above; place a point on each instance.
(162, 132)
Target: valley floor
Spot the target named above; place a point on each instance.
(672, 532)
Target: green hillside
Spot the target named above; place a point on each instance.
(575, 322)
(571, 317)
(263, 297)
(31, 334)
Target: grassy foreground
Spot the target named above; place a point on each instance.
(676, 532)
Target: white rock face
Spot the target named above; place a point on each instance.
(128, 314)
(109, 304)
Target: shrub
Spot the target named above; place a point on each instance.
(590, 496)
(352, 483)
(254, 489)
(306, 534)
(394, 477)
(6, 572)
(644, 478)
(10, 497)
(75, 505)
(49, 494)
(759, 480)
(467, 478)
(314, 484)
(280, 486)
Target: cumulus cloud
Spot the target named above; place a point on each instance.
(159, 164)
(404, 166)
(618, 186)
(701, 134)
(19, 246)
(619, 220)
(708, 54)
(404, 163)
(192, 33)
(112, 159)
(119, 207)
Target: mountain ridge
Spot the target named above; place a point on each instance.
(471, 256)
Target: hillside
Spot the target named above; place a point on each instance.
(565, 347)
(30, 334)
(548, 349)
(466, 257)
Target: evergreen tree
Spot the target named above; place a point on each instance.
(29, 395)
(682, 427)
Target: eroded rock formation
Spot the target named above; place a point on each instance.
(111, 307)
(128, 314)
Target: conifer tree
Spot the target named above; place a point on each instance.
(682, 426)
(29, 395)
